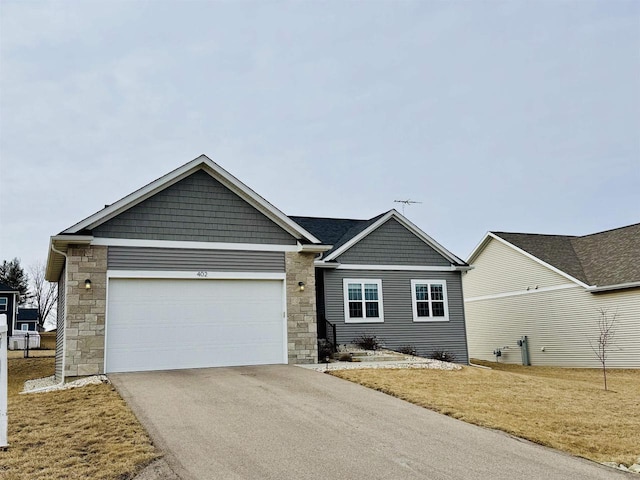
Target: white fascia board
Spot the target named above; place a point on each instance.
(407, 224)
(257, 247)
(328, 265)
(479, 247)
(55, 261)
(203, 275)
(314, 248)
(415, 268)
(213, 169)
(536, 259)
(618, 286)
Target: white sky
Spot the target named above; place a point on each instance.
(496, 115)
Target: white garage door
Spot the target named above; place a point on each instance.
(164, 324)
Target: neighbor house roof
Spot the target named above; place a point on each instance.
(27, 314)
(603, 260)
(6, 288)
(343, 233)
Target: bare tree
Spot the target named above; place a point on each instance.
(601, 345)
(44, 295)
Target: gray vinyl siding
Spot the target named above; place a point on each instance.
(60, 325)
(134, 258)
(197, 208)
(392, 244)
(398, 328)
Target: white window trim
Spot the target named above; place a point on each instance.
(4, 304)
(414, 300)
(364, 319)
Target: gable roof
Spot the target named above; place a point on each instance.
(600, 261)
(80, 233)
(343, 233)
(216, 171)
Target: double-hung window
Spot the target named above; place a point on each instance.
(362, 300)
(3, 304)
(429, 301)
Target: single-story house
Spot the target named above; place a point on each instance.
(196, 270)
(27, 319)
(9, 305)
(553, 289)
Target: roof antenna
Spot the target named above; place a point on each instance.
(405, 203)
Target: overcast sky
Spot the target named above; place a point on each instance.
(495, 115)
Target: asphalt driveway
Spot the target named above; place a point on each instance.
(284, 422)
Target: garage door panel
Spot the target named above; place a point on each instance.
(155, 324)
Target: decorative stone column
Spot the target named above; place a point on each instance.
(302, 342)
(84, 325)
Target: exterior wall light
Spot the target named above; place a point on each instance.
(87, 284)
(301, 285)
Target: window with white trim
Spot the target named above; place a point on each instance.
(3, 304)
(362, 300)
(429, 301)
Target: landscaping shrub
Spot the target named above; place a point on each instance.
(368, 342)
(345, 357)
(443, 355)
(408, 350)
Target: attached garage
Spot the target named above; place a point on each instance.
(164, 323)
(193, 270)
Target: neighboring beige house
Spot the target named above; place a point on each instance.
(551, 288)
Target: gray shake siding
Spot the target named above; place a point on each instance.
(132, 258)
(398, 328)
(392, 244)
(60, 325)
(197, 208)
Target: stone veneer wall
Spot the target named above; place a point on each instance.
(302, 341)
(84, 325)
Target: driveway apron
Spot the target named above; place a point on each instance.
(283, 422)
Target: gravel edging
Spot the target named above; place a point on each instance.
(48, 384)
(423, 363)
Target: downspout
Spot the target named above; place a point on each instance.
(64, 322)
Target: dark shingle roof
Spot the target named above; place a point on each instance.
(604, 258)
(334, 231)
(6, 288)
(27, 314)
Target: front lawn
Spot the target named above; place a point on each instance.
(566, 409)
(81, 433)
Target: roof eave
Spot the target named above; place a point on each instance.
(55, 259)
(608, 288)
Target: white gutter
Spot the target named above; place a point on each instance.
(313, 248)
(606, 288)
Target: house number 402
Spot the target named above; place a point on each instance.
(202, 274)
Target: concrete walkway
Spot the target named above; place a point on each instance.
(283, 422)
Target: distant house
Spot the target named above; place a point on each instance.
(551, 288)
(27, 319)
(9, 305)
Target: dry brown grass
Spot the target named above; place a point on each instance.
(566, 409)
(80, 433)
(32, 353)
